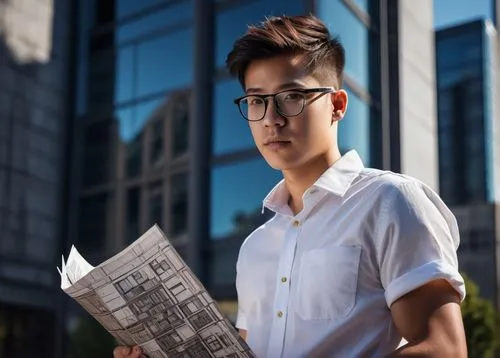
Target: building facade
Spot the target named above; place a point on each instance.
(163, 143)
(35, 61)
(468, 110)
(128, 121)
(162, 140)
(414, 123)
(478, 253)
(469, 144)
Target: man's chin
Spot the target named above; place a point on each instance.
(281, 164)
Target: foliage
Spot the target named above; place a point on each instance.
(480, 322)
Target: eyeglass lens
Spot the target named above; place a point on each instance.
(289, 104)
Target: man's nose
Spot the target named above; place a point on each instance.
(272, 116)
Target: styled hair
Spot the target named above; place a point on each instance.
(305, 36)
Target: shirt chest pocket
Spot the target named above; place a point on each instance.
(327, 282)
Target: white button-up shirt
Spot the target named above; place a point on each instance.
(364, 238)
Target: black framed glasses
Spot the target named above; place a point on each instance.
(289, 103)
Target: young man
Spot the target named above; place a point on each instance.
(356, 262)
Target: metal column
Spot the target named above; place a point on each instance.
(200, 141)
(389, 61)
(496, 12)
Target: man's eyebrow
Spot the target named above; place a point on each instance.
(293, 84)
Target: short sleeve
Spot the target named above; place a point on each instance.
(241, 320)
(417, 240)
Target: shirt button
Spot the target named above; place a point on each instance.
(296, 223)
(279, 314)
(313, 190)
(283, 279)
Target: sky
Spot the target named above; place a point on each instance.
(450, 12)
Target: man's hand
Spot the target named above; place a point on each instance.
(128, 352)
(243, 334)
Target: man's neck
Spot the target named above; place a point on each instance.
(298, 180)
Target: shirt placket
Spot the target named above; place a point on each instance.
(282, 296)
(287, 257)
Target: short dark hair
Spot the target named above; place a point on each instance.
(306, 36)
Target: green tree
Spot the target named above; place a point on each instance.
(90, 339)
(480, 322)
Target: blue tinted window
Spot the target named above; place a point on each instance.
(354, 129)
(164, 18)
(231, 131)
(237, 194)
(452, 77)
(132, 120)
(165, 62)
(354, 37)
(457, 50)
(179, 143)
(145, 113)
(449, 78)
(125, 117)
(461, 133)
(232, 23)
(124, 89)
(129, 7)
(445, 110)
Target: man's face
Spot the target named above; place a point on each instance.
(293, 142)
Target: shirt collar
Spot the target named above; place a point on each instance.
(337, 179)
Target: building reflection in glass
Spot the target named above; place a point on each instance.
(145, 165)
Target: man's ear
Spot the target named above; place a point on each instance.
(339, 103)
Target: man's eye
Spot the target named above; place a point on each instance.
(255, 101)
(293, 96)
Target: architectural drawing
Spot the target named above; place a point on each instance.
(92, 303)
(147, 295)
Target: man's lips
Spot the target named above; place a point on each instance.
(276, 144)
(272, 140)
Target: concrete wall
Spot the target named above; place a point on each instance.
(34, 57)
(418, 115)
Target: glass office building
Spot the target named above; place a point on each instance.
(164, 143)
(117, 114)
(34, 118)
(466, 62)
(469, 144)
